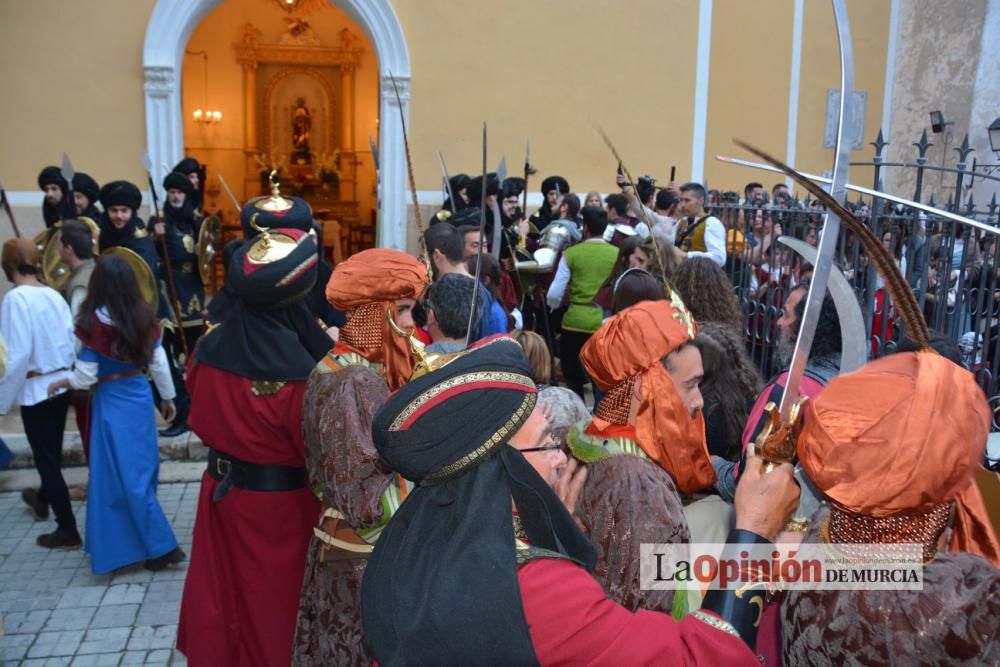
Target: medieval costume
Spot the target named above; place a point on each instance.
(483, 564)
(180, 229)
(85, 185)
(125, 523)
(189, 166)
(133, 235)
(458, 184)
(541, 218)
(256, 510)
(640, 460)
(359, 492)
(52, 214)
(895, 448)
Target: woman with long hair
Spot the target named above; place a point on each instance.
(708, 293)
(120, 336)
(729, 388)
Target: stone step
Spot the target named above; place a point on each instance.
(187, 447)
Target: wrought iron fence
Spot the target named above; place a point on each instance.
(953, 269)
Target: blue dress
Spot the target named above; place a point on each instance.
(125, 523)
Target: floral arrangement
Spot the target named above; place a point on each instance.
(272, 161)
(327, 166)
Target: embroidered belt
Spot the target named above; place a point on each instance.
(118, 376)
(232, 472)
(343, 541)
(38, 374)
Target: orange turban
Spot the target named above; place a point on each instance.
(365, 287)
(631, 345)
(902, 435)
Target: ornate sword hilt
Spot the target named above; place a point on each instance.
(776, 443)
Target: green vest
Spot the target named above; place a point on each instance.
(590, 264)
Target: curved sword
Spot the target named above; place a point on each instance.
(831, 228)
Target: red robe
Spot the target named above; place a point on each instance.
(248, 557)
(572, 622)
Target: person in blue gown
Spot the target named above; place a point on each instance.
(120, 335)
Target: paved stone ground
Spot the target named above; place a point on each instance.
(55, 612)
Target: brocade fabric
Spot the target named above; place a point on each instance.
(954, 620)
(627, 501)
(343, 464)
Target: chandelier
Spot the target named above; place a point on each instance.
(203, 114)
(306, 6)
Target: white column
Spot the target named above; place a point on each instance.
(164, 125)
(393, 220)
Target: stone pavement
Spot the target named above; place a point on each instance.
(55, 612)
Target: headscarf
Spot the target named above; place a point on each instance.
(120, 193)
(52, 175)
(899, 437)
(17, 253)
(441, 586)
(366, 287)
(269, 333)
(630, 346)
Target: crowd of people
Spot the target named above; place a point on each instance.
(410, 466)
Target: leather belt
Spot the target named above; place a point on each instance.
(118, 376)
(232, 472)
(340, 540)
(38, 374)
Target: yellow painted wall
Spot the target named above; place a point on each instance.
(71, 76)
(550, 70)
(545, 70)
(821, 71)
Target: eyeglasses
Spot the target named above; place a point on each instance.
(551, 445)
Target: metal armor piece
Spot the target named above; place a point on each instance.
(624, 230)
(556, 238)
(55, 273)
(143, 274)
(208, 238)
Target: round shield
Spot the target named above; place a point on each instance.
(208, 241)
(54, 270)
(147, 282)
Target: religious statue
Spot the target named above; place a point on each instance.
(301, 129)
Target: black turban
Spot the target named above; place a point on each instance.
(269, 333)
(475, 190)
(552, 182)
(513, 187)
(86, 186)
(441, 586)
(175, 180)
(120, 193)
(298, 216)
(52, 176)
(187, 166)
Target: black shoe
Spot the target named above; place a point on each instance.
(179, 427)
(170, 558)
(39, 508)
(61, 539)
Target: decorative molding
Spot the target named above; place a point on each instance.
(159, 80)
(389, 91)
(280, 54)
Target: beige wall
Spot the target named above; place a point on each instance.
(544, 70)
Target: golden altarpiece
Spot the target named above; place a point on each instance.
(299, 118)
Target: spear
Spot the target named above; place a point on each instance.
(10, 213)
(482, 232)
(174, 302)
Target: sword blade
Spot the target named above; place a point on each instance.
(225, 186)
(447, 183)
(495, 245)
(479, 255)
(831, 228)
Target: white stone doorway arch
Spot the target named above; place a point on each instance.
(167, 35)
